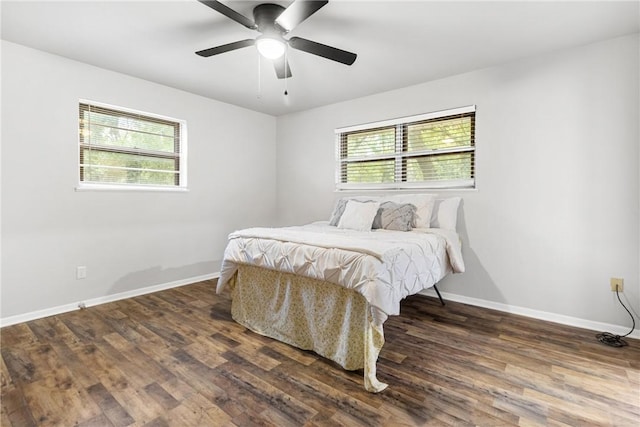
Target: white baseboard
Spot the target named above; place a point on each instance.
(12, 320)
(536, 314)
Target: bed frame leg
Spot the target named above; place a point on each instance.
(439, 296)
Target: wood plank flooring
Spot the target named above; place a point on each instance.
(176, 358)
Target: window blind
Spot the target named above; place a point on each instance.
(123, 147)
(433, 150)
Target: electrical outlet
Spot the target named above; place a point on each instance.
(81, 272)
(617, 282)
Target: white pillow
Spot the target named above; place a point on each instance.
(445, 213)
(342, 203)
(422, 202)
(358, 215)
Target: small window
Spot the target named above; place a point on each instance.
(434, 150)
(122, 148)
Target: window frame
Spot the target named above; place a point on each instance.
(401, 154)
(179, 155)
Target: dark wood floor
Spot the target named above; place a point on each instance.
(175, 358)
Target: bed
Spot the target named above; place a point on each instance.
(329, 286)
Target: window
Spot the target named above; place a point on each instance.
(434, 150)
(127, 149)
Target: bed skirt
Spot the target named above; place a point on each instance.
(309, 314)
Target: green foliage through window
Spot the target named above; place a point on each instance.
(121, 147)
(431, 150)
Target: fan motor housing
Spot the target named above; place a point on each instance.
(265, 16)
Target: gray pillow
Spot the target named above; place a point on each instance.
(338, 210)
(394, 216)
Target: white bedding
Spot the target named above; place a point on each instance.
(384, 266)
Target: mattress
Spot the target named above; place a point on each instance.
(383, 266)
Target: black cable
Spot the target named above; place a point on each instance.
(616, 340)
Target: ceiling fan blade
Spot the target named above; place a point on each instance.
(225, 48)
(297, 12)
(282, 68)
(323, 50)
(230, 13)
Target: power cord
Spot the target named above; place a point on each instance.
(616, 340)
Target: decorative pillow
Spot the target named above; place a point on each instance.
(422, 202)
(358, 215)
(394, 216)
(338, 210)
(445, 213)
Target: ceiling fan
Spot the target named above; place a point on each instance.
(274, 22)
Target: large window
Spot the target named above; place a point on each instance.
(434, 150)
(122, 148)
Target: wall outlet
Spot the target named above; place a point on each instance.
(617, 282)
(81, 272)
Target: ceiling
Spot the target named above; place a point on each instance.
(398, 43)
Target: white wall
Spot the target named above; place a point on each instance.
(127, 240)
(556, 209)
(555, 214)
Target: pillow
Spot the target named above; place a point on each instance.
(422, 202)
(358, 215)
(445, 213)
(393, 216)
(338, 210)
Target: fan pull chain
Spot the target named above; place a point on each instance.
(286, 68)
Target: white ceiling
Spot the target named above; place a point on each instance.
(398, 43)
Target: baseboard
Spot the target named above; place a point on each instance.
(536, 314)
(12, 320)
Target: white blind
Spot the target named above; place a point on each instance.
(121, 147)
(433, 150)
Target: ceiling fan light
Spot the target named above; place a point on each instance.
(270, 48)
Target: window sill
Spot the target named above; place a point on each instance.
(405, 190)
(128, 188)
(449, 185)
